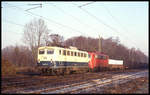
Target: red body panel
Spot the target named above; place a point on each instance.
(97, 62)
(92, 60)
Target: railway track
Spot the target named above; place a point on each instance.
(58, 84)
(41, 81)
(78, 87)
(12, 83)
(87, 85)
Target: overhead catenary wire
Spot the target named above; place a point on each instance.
(36, 4)
(98, 19)
(33, 8)
(50, 20)
(20, 25)
(55, 23)
(77, 19)
(11, 22)
(80, 22)
(115, 19)
(12, 6)
(86, 4)
(26, 12)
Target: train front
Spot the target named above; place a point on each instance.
(98, 61)
(45, 57)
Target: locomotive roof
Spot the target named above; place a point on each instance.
(72, 48)
(98, 53)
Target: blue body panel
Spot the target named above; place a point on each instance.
(61, 63)
(45, 63)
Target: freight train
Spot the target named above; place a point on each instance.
(61, 60)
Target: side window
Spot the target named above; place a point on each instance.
(84, 55)
(64, 52)
(68, 52)
(78, 54)
(75, 53)
(59, 52)
(81, 54)
(71, 53)
(41, 51)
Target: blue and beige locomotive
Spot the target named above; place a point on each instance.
(60, 60)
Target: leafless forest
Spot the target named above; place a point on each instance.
(37, 34)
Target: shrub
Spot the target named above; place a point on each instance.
(7, 67)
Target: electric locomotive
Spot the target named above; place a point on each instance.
(53, 59)
(98, 61)
(101, 62)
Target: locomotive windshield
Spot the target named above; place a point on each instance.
(101, 57)
(50, 51)
(41, 51)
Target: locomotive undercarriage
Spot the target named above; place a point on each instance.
(62, 70)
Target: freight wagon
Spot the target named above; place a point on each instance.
(115, 64)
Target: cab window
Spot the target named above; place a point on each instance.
(101, 57)
(104, 57)
(41, 51)
(50, 51)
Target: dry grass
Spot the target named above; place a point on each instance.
(132, 87)
(27, 69)
(11, 69)
(8, 68)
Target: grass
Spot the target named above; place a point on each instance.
(8, 68)
(11, 69)
(132, 87)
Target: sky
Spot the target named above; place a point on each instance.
(126, 20)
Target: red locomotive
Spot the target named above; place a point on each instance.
(99, 61)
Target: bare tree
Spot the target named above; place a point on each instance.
(55, 40)
(34, 35)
